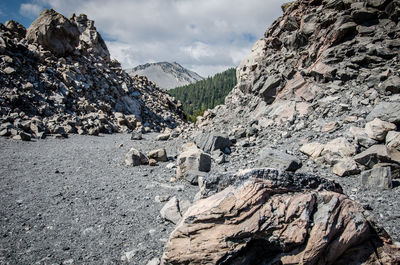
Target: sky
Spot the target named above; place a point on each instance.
(206, 36)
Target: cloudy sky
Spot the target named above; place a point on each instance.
(206, 36)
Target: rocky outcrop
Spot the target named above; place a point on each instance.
(54, 32)
(59, 79)
(318, 64)
(263, 217)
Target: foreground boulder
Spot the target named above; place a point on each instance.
(263, 217)
(135, 158)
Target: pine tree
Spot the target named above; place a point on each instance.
(205, 94)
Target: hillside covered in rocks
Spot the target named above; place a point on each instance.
(57, 78)
(319, 93)
(323, 86)
(299, 166)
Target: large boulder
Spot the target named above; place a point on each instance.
(190, 161)
(54, 32)
(273, 158)
(386, 111)
(378, 154)
(263, 217)
(159, 155)
(377, 129)
(209, 142)
(90, 38)
(337, 149)
(135, 158)
(377, 178)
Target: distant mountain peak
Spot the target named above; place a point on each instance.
(165, 74)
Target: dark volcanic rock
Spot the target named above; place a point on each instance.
(277, 159)
(209, 142)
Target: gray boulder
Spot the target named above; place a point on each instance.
(191, 161)
(136, 135)
(378, 154)
(393, 140)
(377, 178)
(386, 111)
(160, 155)
(273, 158)
(209, 142)
(135, 158)
(54, 32)
(170, 211)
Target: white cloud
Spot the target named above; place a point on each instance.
(202, 35)
(30, 10)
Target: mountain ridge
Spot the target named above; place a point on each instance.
(166, 75)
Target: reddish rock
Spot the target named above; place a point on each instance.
(259, 222)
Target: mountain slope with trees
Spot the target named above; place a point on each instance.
(205, 94)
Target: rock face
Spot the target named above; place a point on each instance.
(54, 32)
(166, 75)
(262, 217)
(60, 79)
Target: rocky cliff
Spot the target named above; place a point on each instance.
(166, 75)
(324, 81)
(319, 93)
(57, 78)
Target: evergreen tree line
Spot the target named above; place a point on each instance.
(205, 94)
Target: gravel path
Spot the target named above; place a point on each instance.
(73, 202)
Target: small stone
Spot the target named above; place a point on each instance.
(9, 70)
(152, 162)
(378, 154)
(5, 132)
(163, 137)
(313, 150)
(136, 135)
(273, 158)
(330, 127)
(22, 136)
(393, 140)
(154, 261)
(160, 199)
(170, 166)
